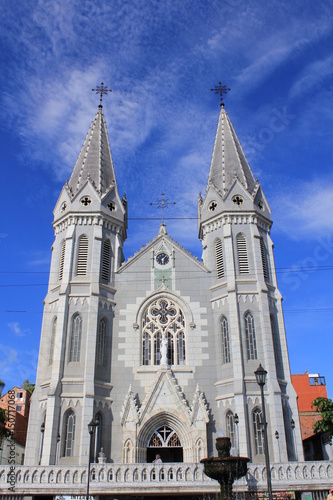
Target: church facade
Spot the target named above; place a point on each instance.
(160, 350)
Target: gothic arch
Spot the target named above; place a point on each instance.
(169, 295)
(181, 428)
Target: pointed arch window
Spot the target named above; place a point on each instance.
(146, 349)
(52, 344)
(62, 260)
(163, 318)
(219, 259)
(106, 260)
(264, 259)
(225, 341)
(243, 260)
(76, 338)
(277, 347)
(82, 257)
(230, 427)
(101, 341)
(69, 433)
(250, 333)
(258, 432)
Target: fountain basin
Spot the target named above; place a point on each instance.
(227, 469)
(224, 468)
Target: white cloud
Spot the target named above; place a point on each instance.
(17, 330)
(304, 211)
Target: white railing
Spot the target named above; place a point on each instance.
(174, 477)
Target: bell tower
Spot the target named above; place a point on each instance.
(234, 220)
(74, 368)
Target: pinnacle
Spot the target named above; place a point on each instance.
(95, 161)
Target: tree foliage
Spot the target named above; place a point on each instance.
(28, 386)
(324, 406)
(4, 432)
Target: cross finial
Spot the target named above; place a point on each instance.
(101, 90)
(163, 204)
(220, 89)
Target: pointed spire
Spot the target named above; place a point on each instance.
(228, 160)
(95, 160)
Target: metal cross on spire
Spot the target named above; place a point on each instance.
(163, 203)
(101, 90)
(220, 89)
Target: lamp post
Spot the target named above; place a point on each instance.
(278, 444)
(292, 423)
(91, 429)
(236, 420)
(261, 374)
(57, 448)
(42, 429)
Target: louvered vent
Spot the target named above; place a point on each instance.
(264, 258)
(219, 259)
(243, 260)
(106, 256)
(62, 260)
(82, 258)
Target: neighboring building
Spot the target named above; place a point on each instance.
(309, 387)
(161, 350)
(16, 403)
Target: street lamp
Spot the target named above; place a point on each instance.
(42, 429)
(236, 420)
(57, 448)
(91, 429)
(292, 423)
(278, 443)
(261, 374)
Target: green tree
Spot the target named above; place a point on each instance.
(4, 432)
(28, 386)
(324, 406)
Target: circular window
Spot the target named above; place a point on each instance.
(237, 200)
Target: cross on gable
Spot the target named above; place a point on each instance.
(112, 206)
(212, 206)
(238, 200)
(86, 201)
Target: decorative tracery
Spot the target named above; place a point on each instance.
(163, 437)
(163, 321)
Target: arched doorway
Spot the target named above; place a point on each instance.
(165, 442)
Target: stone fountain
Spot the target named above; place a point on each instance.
(224, 468)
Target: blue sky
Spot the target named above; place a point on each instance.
(161, 59)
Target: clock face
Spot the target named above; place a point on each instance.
(162, 258)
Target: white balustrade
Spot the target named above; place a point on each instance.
(171, 477)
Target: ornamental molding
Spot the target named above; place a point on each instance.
(236, 219)
(103, 404)
(81, 301)
(248, 298)
(87, 220)
(164, 395)
(106, 304)
(71, 402)
(216, 303)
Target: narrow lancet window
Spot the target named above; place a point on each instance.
(250, 333)
(76, 338)
(225, 340)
